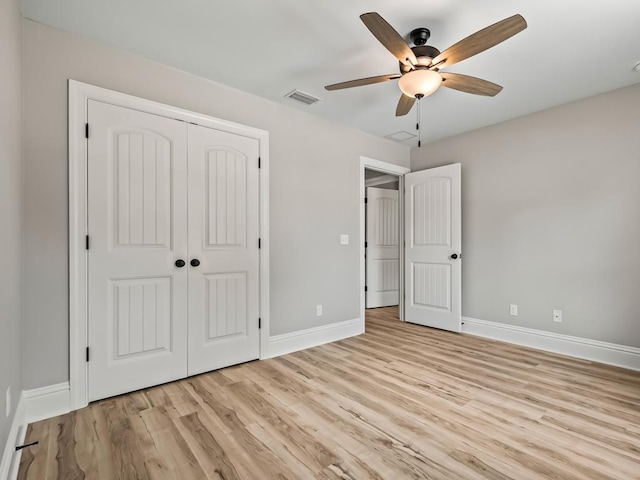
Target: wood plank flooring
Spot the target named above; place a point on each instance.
(400, 401)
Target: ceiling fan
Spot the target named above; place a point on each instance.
(420, 66)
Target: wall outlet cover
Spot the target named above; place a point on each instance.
(513, 310)
(344, 239)
(557, 316)
(319, 310)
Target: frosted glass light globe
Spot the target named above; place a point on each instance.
(420, 82)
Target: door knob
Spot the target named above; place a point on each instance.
(180, 263)
(195, 262)
(454, 256)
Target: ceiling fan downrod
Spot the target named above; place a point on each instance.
(420, 36)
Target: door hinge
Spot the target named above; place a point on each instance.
(259, 162)
(365, 199)
(365, 288)
(86, 130)
(87, 354)
(259, 323)
(259, 243)
(365, 244)
(86, 242)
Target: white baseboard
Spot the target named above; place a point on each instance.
(46, 402)
(312, 337)
(594, 350)
(10, 458)
(33, 406)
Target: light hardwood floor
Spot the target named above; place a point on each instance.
(400, 401)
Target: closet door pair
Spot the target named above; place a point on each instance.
(173, 259)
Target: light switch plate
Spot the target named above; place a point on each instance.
(344, 239)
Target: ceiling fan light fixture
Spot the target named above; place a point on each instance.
(420, 82)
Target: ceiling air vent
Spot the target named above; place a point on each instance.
(302, 97)
(400, 136)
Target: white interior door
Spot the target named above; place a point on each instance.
(137, 224)
(382, 266)
(433, 247)
(223, 242)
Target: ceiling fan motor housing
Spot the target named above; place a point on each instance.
(420, 51)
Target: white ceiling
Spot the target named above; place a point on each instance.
(572, 49)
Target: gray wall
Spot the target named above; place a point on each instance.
(551, 217)
(10, 210)
(313, 181)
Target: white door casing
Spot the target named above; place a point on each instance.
(223, 238)
(433, 236)
(382, 251)
(137, 207)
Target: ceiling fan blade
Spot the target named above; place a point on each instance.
(362, 81)
(388, 37)
(480, 41)
(468, 84)
(405, 105)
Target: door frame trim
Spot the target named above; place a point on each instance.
(79, 95)
(367, 163)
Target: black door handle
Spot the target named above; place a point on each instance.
(454, 256)
(195, 262)
(180, 263)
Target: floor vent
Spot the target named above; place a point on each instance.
(302, 97)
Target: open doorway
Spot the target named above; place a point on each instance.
(430, 280)
(382, 234)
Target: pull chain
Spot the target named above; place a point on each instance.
(418, 125)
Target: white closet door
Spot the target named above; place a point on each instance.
(223, 243)
(383, 269)
(137, 210)
(432, 252)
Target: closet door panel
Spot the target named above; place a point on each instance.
(223, 240)
(137, 208)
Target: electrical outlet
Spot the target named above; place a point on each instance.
(557, 316)
(319, 310)
(344, 239)
(8, 402)
(513, 310)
